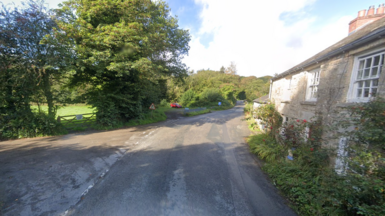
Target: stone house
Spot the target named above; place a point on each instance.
(345, 73)
(259, 101)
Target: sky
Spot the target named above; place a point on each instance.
(260, 37)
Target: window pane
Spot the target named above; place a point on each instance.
(314, 92)
(317, 78)
(368, 72)
(375, 82)
(376, 60)
(367, 83)
(359, 75)
(359, 92)
(360, 84)
(374, 92)
(361, 65)
(368, 63)
(374, 71)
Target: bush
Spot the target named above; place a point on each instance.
(115, 109)
(107, 113)
(266, 147)
(248, 108)
(187, 97)
(271, 116)
(229, 96)
(29, 125)
(211, 95)
(164, 103)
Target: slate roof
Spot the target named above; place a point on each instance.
(366, 34)
(262, 100)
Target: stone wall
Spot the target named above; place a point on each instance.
(289, 93)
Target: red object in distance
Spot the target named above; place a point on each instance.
(175, 105)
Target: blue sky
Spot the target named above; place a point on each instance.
(261, 37)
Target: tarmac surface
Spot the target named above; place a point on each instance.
(185, 166)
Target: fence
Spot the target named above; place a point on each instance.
(80, 121)
(187, 110)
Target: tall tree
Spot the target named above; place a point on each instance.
(123, 49)
(23, 30)
(231, 69)
(222, 70)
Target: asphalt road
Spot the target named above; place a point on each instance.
(190, 166)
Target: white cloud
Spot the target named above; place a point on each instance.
(250, 33)
(17, 3)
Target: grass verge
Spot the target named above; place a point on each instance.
(198, 112)
(148, 118)
(152, 117)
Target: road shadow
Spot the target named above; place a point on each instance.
(41, 179)
(194, 179)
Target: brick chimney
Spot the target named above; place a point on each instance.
(364, 17)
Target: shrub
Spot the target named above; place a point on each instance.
(211, 95)
(271, 116)
(163, 103)
(248, 108)
(187, 97)
(309, 181)
(266, 147)
(31, 124)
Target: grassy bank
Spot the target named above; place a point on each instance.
(152, 117)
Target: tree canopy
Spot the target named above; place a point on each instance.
(118, 56)
(124, 50)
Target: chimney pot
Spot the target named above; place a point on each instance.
(361, 13)
(380, 9)
(370, 11)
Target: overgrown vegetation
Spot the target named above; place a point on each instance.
(209, 86)
(114, 55)
(299, 163)
(117, 56)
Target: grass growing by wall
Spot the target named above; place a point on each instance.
(156, 116)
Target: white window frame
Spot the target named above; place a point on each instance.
(361, 83)
(313, 80)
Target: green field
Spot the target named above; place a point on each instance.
(78, 125)
(74, 125)
(68, 110)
